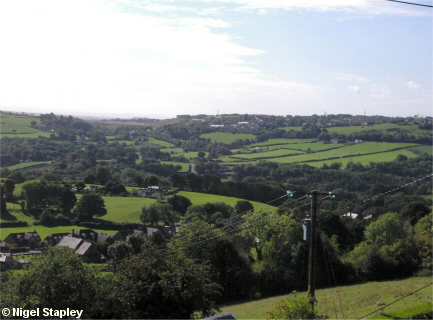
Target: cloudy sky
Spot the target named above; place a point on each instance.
(170, 57)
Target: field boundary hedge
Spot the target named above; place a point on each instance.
(13, 224)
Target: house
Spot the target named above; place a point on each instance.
(123, 235)
(90, 253)
(54, 238)
(24, 239)
(166, 231)
(335, 140)
(4, 247)
(222, 316)
(143, 192)
(6, 262)
(90, 235)
(152, 230)
(154, 189)
(91, 189)
(86, 250)
(354, 216)
(258, 149)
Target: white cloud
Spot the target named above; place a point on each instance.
(354, 89)
(412, 85)
(355, 7)
(350, 77)
(89, 56)
(379, 91)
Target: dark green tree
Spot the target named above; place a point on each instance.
(179, 203)
(242, 207)
(57, 279)
(158, 284)
(89, 205)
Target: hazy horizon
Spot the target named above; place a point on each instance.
(108, 57)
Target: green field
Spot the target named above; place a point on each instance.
(226, 137)
(384, 127)
(127, 142)
(303, 146)
(125, 209)
(45, 231)
(365, 160)
(423, 149)
(21, 124)
(201, 198)
(376, 151)
(272, 142)
(266, 155)
(27, 165)
(356, 301)
(160, 142)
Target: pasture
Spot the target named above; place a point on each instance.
(391, 128)
(21, 124)
(201, 198)
(356, 301)
(45, 231)
(161, 143)
(226, 137)
(366, 159)
(273, 142)
(24, 165)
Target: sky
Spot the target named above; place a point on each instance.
(162, 58)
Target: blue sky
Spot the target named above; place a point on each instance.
(169, 57)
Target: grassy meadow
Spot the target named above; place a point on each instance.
(201, 198)
(226, 137)
(24, 165)
(356, 301)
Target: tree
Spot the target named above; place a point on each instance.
(159, 284)
(89, 205)
(424, 237)
(389, 250)
(179, 203)
(9, 186)
(57, 279)
(242, 207)
(102, 175)
(178, 180)
(3, 201)
(157, 212)
(414, 211)
(256, 230)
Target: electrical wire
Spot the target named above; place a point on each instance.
(412, 3)
(164, 247)
(394, 301)
(377, 196)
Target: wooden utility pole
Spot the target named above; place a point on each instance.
(311, 287)
(313, 239)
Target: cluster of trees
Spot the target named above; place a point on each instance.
(150, 285)
(202, 265)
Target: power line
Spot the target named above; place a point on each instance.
(394, 301)
(377, 196)
(164, 247)
(411, 3)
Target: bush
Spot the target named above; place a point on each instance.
(13, 224)
(295, 307)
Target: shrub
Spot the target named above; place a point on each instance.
(295, 307)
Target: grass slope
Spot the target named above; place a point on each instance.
(226, 137)
(45, 231)
(356, 301)
(201, 198)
